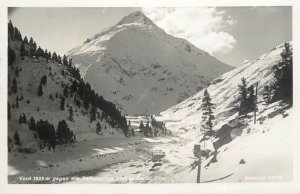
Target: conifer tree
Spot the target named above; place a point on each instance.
(71, 114)
(22, 50)
(10, 30)
(31, 41)
(8, 111)
(17, 72)
(243, 98)
(70, 62)
(267, 95)
(66, 92)
(146, 129)
(207, 113)
(62, 103)
(20, 119)
(45, 130)
(64, 134)
(32, 124)
(142, 127)
(24, 120)
(54, 57)
(17, 138)
(65, 60)
(98, 128)
(59, 59)
(32, 47)
(93, 114)
(14, 87)
(283, 73)
(11, 55)
(251, 99)
(39, 52)
(40, 90)
(44, 80)
(129, 123)
(25, 40)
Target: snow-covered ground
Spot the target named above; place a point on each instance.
(266, 151)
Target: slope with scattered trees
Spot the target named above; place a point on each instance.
(48, 102)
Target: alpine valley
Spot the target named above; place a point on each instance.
(103, 112)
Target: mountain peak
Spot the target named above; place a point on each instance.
(136, 17)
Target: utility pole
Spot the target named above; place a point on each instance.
(197, 153)
(255, 102)
(199, 169)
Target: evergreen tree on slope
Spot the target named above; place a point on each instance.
(207, 113)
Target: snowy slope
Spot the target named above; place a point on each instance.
(266, 152)
(141, 68)
(224, 91)
(264, 146)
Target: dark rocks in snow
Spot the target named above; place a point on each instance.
(242, 161)
(224, 133)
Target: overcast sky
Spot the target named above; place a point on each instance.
(231, 34)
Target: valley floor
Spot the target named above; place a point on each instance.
(266, 152)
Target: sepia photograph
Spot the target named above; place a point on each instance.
(146, 99)
(149, 95)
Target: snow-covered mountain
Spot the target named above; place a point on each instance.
(142, 69)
